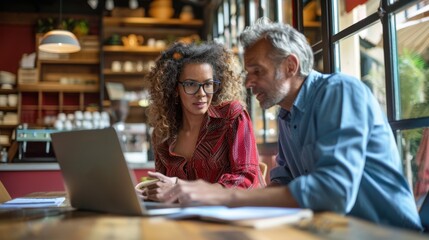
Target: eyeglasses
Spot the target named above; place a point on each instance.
(191, 87)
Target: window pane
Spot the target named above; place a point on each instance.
(286, 16)
(412, 30)
(364, 49)
(351, 12)
(311, 19)
(269, 9)
(264, 123)
(318, 61)
(414, 149)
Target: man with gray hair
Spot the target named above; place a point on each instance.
(336, 148)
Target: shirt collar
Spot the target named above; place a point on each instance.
(225, 110)
(303, 95)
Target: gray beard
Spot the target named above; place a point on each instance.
(274, 97)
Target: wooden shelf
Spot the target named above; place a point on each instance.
(106, 103)
(313, 24)
(69, 61)
(6, 144)
(55, 87)
(110, 72)
(154, 22)
(7, 91)
(8, 125)
(70, 107)
(29, 107)
(139, 49)
(50, 107)
(8, 108)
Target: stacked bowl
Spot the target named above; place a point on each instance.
(161, 9)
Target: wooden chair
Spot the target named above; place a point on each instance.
(424, 213)
(264, 168)
(4, 195)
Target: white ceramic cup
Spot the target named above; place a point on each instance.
(78, 115)
(128, 66)
(151, 42)
(62, 117)
(3, 100)
(12, 100)
(116, 66)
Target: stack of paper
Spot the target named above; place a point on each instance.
(256, 217)
(33, 202)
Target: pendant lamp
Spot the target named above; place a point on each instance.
(59, 40)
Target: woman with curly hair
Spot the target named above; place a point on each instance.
(201, 129)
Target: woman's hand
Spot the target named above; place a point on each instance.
(197, 192)
(154, 189)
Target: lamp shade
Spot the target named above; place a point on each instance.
(59, 41)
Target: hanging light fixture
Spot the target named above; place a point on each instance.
(59, 40)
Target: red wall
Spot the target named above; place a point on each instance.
(21, 183)
(15, 40)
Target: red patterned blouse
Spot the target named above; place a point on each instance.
(225, 153)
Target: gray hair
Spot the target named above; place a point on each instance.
(285, 40)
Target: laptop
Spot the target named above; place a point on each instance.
(96, 174)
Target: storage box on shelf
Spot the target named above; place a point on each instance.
(28, 75)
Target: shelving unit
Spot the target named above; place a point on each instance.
(166, 30)
(7, 110)
(137, 49)
(147, 21)
(38, 104)
(66, 83)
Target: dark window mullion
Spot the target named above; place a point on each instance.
(409, 123)
(362, 24)
(398, 5)
(261, 13)
(297, 18)
(247, 22)
(390, 60)
(319, 46)
(327, 45)
(277, 7)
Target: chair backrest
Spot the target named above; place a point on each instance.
(424, 212)
(264, 168)
(4, 195)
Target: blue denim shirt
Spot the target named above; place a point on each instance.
(337, 153)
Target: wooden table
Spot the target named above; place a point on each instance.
(66, 223)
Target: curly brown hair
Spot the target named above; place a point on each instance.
(165, 112)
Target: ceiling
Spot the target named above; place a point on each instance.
(78, 6)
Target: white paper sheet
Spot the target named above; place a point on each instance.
(33, 202)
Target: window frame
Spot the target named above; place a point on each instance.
(331, 36)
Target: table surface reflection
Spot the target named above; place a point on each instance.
(67, 223)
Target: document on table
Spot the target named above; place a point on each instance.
(256, 217)
(32, 202)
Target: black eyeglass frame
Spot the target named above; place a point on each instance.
(215, 82)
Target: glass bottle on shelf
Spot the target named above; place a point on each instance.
(3, 155)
